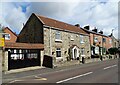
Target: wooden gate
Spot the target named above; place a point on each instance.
(23, 58)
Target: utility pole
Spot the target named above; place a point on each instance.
(112, 31)
(0, 61)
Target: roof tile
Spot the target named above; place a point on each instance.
(61, 25)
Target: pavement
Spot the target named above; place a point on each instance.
(97, 72)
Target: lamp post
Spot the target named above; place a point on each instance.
(113, 30)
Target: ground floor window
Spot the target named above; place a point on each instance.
(58, 52)
(82, 51)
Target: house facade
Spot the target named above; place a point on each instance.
(115, 42)
(61, 40)
(99, 43)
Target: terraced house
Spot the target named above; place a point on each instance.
(99, 42)
(61, 40)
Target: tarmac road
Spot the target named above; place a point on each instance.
(99, 72)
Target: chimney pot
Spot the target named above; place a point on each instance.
(77, 25)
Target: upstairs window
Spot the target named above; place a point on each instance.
(104, 40)
(81, 39)
(71, 38)
(95, 39)
(58, 35)
(7, 36)
(110, 41)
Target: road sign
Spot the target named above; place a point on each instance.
(2, 42)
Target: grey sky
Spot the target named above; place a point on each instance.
(103, 15)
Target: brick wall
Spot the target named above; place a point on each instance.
(13, 36)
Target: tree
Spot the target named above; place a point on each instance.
(113, 50)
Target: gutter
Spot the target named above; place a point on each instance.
(65, 30)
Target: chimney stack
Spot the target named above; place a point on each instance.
(95, 30)
(77, 25)
(101, 32)
(87, 27)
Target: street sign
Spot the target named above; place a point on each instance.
(2, 43)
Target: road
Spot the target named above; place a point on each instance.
(99, 72)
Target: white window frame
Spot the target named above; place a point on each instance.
(71, 38)
(81, 39)
(58, 50)
(58, 36)
(110, 41)
(95, 39)
(7, 36)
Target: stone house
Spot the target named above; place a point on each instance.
(99, 43)
(61, 40)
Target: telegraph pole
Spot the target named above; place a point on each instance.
(0, 61)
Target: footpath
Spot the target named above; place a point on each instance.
(72, 64)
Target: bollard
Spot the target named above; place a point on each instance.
(83, 60)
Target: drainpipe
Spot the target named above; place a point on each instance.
(53, 59)
(50, 43)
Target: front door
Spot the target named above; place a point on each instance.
(75, 53)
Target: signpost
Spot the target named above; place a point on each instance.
(2, 43)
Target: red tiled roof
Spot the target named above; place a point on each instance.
(10, 30)
(61, 25)
(24, 46)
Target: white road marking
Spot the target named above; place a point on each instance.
(15, 81)
(74, 77)
(109, 67)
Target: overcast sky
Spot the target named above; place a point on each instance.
(102, 14)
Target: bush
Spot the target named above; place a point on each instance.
(113, 51)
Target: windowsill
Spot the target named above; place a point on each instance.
(72, 39)
(59, 57)
(7, 39)
(82, 42)
(82, 55)
(57, 40)
(95, 41)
